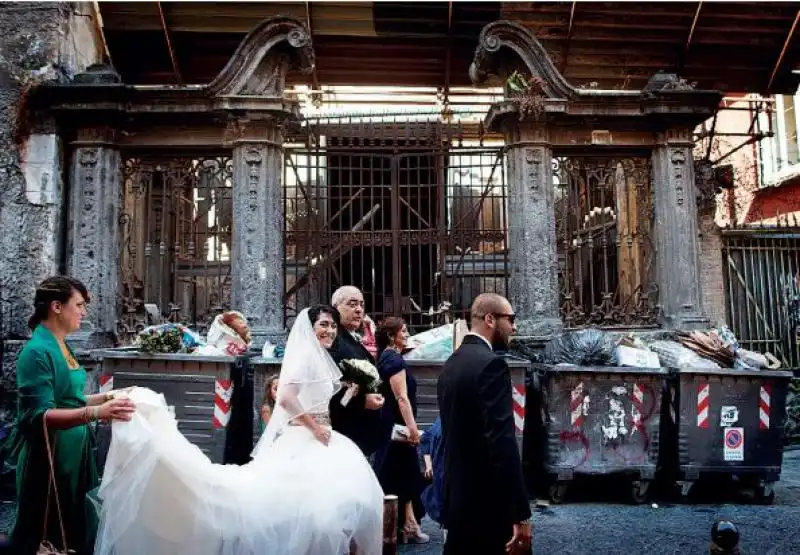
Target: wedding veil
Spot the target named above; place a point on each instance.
(309, 378)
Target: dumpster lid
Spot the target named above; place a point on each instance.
(572, 368)
(733, 372)
(266, 360)
(131, 353)
(513, 362)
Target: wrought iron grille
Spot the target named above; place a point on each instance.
(761, 268)
(604, 215)
(176, 241)
(414, 214)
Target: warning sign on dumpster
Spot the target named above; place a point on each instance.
(733, 444)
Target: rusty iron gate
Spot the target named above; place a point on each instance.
(604, 222)
(761, 268)
(175, 223)
(412, 213)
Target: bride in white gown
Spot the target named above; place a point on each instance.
(307, 491)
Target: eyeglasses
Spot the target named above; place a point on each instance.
(510, 317)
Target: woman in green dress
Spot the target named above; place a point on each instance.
(50, 384)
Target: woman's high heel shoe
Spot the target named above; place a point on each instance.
(415, 535)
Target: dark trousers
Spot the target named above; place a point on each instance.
(486, 540)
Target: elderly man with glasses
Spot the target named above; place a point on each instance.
(361, 419)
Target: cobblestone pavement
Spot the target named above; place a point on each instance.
(602, 524)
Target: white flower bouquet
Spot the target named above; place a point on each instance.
(361, 373)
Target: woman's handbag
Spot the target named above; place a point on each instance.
(46, 548)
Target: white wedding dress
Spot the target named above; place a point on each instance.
(161, 495)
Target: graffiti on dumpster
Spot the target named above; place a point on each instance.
(627, 439)
(613, 419)
(578, 405)
(620, 424)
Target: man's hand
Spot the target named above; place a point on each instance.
(374, 401)
(521, 539)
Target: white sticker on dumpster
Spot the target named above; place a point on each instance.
(728, 416)
(733, 444)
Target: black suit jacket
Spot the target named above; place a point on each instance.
(362, 425)
(484, 490)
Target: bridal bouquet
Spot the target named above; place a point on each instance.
(361, 373)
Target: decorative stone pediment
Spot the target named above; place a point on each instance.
(261, 62)
(498, 39)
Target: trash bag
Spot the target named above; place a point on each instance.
(527, 350)
(674, 355)
(433, 344)
(589, 347)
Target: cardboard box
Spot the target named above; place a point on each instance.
(630, 356)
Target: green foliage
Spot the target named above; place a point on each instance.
(167, 341)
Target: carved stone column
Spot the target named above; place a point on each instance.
(258, 259)
(676, 231)
(533, 261)
(93, 242)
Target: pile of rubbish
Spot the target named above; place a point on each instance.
(229, 335)
(717, 348)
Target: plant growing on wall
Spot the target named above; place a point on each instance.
(528, 93)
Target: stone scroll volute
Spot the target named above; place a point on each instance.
(500, 41)
(261, 62)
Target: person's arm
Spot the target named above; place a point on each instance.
(494, 396)
(98, 399)
(425, 444)
(36, 383)
(288, 400)
(400, 390)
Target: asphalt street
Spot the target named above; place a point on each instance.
(597, 520)
(601, 522)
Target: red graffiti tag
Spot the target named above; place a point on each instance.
(576, 436)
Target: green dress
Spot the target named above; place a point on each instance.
(45, 381)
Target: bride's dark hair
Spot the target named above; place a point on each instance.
(315, 311)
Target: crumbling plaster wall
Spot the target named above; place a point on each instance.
(39, 42)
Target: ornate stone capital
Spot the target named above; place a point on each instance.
(263, 130)
(261, 62)
(500, 35)
(99, 135)
(679, 136)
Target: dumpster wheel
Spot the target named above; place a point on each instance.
(639, 489)
(764, 495)
(558, 492)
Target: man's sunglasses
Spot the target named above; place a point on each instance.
(511, 317)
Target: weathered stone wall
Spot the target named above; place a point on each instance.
(39, 42)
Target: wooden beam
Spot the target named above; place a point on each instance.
(449, 53)
(100, 34)
(688, 45)
(171, 50)
(786, 44)
(569, 37)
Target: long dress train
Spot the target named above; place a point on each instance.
(162, 496)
